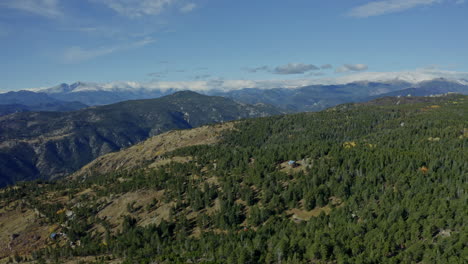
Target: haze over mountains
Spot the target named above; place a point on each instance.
(303, 98)
(52, 144)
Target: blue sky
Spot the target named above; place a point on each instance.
(47, 42)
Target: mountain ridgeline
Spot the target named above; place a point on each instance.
(25, 101)
(376, 182)
(52, 144)
(299, 99)
(87, 94)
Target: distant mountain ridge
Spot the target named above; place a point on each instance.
(53, 144)
(315, 97)
(22, 101)
(96, 94)
(307, 98)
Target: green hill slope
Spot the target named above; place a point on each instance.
(379, 182)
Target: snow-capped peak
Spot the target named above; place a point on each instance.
(413, 77)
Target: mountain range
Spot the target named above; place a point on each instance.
(51, 144)
(23, 101)
(306, 98)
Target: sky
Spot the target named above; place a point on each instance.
(47, 42)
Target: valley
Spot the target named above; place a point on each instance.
(48, 145)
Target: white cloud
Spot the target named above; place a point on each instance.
(413, 76)
(290, 68)
(351, 68)
(188, 8)
(206, 85)
(137, 8)
(376, 8)
(78, 54)
(46, 8)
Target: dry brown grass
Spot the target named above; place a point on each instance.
(148, 153)
(304, 215)
(30, 234)
(117, 208)
(162, 162)
(216, 207)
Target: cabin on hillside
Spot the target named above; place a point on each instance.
(292, 163)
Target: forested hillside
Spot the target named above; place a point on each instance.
(48, 145)
(378, 182)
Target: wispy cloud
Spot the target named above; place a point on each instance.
(159, 74)
(376, 8)
(187, 8)
(45, 8)
(140, 43)
(412, 76)
(352, 68)
(137, 8)
(202, 77)
(326, 67)
(164, 73)
(295, 68)
(315, 74)
(87, 29)
(257, 69)
(290, 68)
(78, 54)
